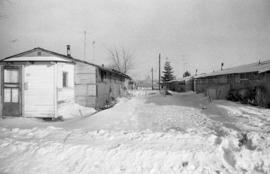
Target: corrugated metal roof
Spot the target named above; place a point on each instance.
(253, 67)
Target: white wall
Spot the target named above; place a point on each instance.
(65, 94)
(39, 90)
(1, 90)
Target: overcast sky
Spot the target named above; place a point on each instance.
(192, 34)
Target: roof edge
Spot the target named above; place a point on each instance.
(67, 57)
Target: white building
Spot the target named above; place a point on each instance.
(35, 82)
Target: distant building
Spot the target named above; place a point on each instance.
(35, 82)
(181, 85)
(217, 84)
(147, 83)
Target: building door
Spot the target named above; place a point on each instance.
(12, 78)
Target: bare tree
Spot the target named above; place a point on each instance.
(121, 59)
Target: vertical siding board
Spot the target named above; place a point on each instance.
(22, 91)
(39, 95)
(85, 84)
(96, 100)
(108, 88)
(1, 90)
(55, 92)
(65, 94)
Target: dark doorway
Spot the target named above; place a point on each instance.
(12, 100)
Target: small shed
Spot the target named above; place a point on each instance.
(35, 82)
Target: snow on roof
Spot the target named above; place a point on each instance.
(37, 59)
(176, 80)
(181, 79)
(22, 57)
(259, 67)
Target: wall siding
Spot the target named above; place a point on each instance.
(39, 90)
(234, 81)
(65, 94)
(85, 84)
(108, 88)
(1, 81)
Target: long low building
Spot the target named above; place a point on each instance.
(35, 82)
(217, 84)
(181, 85)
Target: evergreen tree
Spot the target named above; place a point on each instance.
(167, 73)
(186, 74)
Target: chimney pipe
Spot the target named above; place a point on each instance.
(68, 51)
(222, 64)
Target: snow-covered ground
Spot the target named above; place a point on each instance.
(69, 109)
(146, 133)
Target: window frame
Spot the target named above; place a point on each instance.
(65, 79)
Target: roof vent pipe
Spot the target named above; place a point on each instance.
(68, 51)
(222, 64)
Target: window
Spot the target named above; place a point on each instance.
(7, 95)
(244, 76)
(102, 75)
(11, 95)
(39, 53)
(11, 76)
(11, 85)
(65, 79)
(267, 75)
(110, 76)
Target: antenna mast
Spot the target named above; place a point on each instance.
(159, 57)
(84, 45)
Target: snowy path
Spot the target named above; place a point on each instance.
(183, 133)
(221, 113)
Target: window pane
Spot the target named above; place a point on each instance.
(65, 79)
(7, 94)
(11, 76)
(15, 96)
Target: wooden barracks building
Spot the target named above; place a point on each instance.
(250, 76)
(35, 82)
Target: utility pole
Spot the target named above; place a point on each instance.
(84, 45)
(152, 79)
(159, 57)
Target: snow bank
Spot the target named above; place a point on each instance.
(55, 150)
(70, 109)
(248, 117)
(136, 115)
(137, 93)
(148, 133)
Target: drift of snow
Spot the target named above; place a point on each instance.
(69, 109)
(147, 133)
